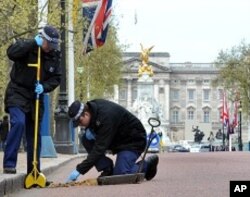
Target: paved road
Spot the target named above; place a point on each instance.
(179, 175)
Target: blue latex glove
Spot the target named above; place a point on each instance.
(89, 134)
(39, 88)
(73, 176)
(39, 40)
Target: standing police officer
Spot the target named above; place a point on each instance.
(20, 95)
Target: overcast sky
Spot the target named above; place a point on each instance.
(190, 30)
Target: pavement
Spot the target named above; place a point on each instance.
(10, 183)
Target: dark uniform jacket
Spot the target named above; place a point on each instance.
(20, 91)
(115, 129)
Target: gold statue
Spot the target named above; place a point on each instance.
(144, 68)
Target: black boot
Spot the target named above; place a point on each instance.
(9, 170)
(107, 172)
(152, 163)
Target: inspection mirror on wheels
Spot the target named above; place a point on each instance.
(154, 122)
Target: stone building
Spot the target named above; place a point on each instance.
(183, 90)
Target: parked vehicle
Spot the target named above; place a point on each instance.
(205, 148)
(177, 148)
(196, 148)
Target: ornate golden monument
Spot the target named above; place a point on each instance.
(144, 68)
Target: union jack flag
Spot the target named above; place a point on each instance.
(225, 112)
(97, 13)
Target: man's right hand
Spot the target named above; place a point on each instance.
(73, 176)
(39, 40)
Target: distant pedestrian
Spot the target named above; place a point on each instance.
(1, 134)
(4, 130)
(219, 135)
(211, 140)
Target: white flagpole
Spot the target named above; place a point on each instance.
(47, 148)
(71, 70)
(230, 142)
(42, 13)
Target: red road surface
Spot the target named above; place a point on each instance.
(179, 175)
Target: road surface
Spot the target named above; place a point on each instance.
(205, 174)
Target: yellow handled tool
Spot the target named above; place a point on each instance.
(35, 177)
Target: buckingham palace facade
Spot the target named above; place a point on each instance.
(183, 90)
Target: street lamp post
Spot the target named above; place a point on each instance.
(240, 128)
(80, 71)
(63, 136)
(223, 136)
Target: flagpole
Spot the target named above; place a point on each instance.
(223, 136)
(240, 128)
(230, 142)
(47, 146)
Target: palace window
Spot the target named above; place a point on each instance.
(134, 93)
(206, 116)
(123, 94)
(191, 93)
(175, 95)
(190, 114)
(220, 94)
(175, 116)
(206, 95)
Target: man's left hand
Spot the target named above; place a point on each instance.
(39, 88)
(39, 40)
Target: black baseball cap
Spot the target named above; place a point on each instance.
(75, 111)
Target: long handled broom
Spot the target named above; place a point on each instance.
(35, 177)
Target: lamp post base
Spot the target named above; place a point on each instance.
(65, 148)
(63, 136)
(48, 148)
